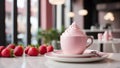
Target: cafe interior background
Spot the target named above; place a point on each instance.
(22, 20)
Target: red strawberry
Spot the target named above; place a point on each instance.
(42, 50)
(12, 46)
(18, 51)
(7, 52)
(1, 48)
(33, 51)
(26, 49)
(50, 48)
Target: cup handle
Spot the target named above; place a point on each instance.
(89, 37)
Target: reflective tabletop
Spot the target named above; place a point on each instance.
(113, 61)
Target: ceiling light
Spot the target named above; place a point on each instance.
(83, 12)
(56, 2)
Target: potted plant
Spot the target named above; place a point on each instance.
(50, 37)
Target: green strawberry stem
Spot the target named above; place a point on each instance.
(11, 53)
(37, 45)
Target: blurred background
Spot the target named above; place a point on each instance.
(21, 19)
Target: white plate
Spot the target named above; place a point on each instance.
(63, 59)
(59, 53)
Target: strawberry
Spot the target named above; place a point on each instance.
(7, 52)
(33, 51)
(18, 51)
(26, 49)
(42, 49)
(50, 48)
(12, 46)
(1, 48)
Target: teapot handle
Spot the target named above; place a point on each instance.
(89, 37)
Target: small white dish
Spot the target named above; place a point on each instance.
(59, 53)
(74, 59)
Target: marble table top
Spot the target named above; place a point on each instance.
(113, 61)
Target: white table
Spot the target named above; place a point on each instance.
(113, 42)
(42, 62)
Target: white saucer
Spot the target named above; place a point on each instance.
(73, 59)
(59, 53)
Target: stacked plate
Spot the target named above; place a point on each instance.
(87, 56)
